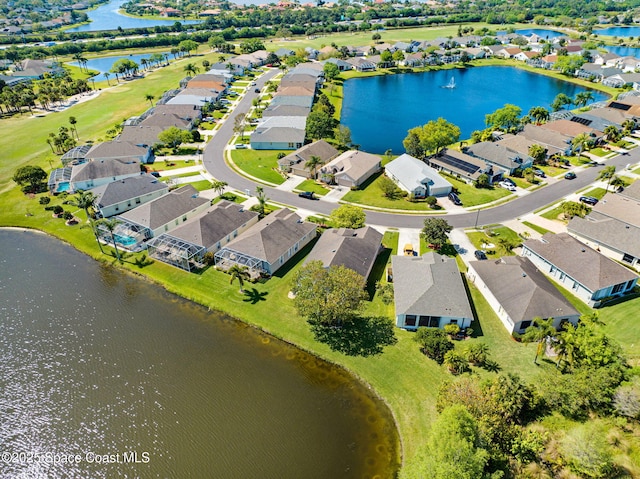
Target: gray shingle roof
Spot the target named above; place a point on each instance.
(498, 154)
(286, 110)
(352, 163)
(134, 187)
(92, 170)
(319, 148)
(116, 149)
(429, 285)
(590, 268)
(220, 220)
(412, 173)
(607, 231)
(522, 290)
(272, 237)
(166, 208)
(354, 249)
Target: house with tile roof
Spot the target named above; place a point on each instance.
(583, 271)
(351, 169)
(428, 291)
(518, 293)
(268, 245)
(119, 196)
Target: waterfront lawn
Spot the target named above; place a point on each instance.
(261, 164)
(314, 187)
(472, 196)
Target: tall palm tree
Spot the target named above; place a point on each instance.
(581, 142)
(539, 113)
(540, 333)
(583, 98)
(312, 165)
(218, 186)
(110, 225)
(106, 76)
(191, 68)
(94, 228)
(262, 201)
(607, 173)
(612, 133)
(241, 273)
(149, 98)
(84, 200)
(73, 121)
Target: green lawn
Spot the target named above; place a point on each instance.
(524, 184)
(314, 187)
(636, 171)
(171, 165)
(477, 238)
(597, 193)
(535, 227)
(599, 152)
(371, 195)
(390, 240)
(552, 170)
(472, 196)
(554, 213)
(578, 160)
(261, 164)
(201, 185)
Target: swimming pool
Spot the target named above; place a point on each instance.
(63, 186)
(125, 240)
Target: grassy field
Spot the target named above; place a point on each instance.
(260, 164)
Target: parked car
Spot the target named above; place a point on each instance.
(455, 199)
(257, 90)
(241, 146)
(539, 173)
(480, 255)
(590, 200)
(507, 186)
(253, 83)
(508, 180)
(307, 194)
(408, 250)
(570, 176)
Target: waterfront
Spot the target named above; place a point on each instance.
(104, 64)
(380, 110)
(97, 361)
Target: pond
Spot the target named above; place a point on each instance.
(623, 51)
(109, 367)
(619, 31)
(104, 64)
(107, 17)
(541, 32)
(380, 110)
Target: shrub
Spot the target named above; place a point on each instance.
(433, 342)
(45, 200)
(58, 210)
(67, 215)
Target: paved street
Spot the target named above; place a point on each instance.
(213, 160)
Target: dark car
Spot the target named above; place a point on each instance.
(155, 174)
(480, 254)
(455, 199)
(570, 176)
(307, 194)
(257, 90)
(539, 173)
(590, 200)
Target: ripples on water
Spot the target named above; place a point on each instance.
(95, 361)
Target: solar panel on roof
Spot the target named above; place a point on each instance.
(458, 163)
(582, 121)
(619, 106)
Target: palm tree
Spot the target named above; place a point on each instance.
(455, 362)
(262, 201)
(191, 68)
(218, 186)
(106, 76)
(540, 333)
(94, 228)
(581, 142)
(73, 121)
(583, 98)
(110, 226)
(628, 126)
(607, 173)
(149, 98)
(539, 113)
(312, 164)
(84, 200)
(241, 273)
(612, 133)
(617, 182)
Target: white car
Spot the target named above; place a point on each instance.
(507, 186)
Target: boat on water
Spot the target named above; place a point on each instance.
(451, 85)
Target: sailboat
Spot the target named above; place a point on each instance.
(451, 85)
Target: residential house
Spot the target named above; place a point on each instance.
(123, 150)
(362, 64)
(279, 133)
(500, 157)
(35, 69)
(284, 52)
(268, 245)
(613, 226)
(572, 128)
(195, 96)
(428, 291)
(290, 100)
(341, 64)
(518, 143)
(416, 177)
(117, 197)
(286, 110)
(186, 245)
(518, 293)
(295, 163)
(465, 167)
(583, 271)
(142, 135)
(554, 142)
(523, 56)
(100, 172)
(351, 169)
(354, 249)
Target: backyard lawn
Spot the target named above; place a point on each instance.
(261, 164)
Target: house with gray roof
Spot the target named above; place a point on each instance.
(518, 293)
(501, 157)
(295, 162)
(353, 249)
(583, 271)
(428, 291)
(195, 96)
(268, 245)
(286, 110)
(293, 100)
(362, 64)
(119, 196)
(465, 167)
(279, 133)
(121, 149)
(555, 143)
(186, 245)
(416, 177)
(351, 169)
(160, 215)
(100, 172)
(613, 226)
(341, 64)
(141, 135)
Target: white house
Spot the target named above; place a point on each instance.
(416, 177)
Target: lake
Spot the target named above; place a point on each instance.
(109, 367)
(619, 31)
(104, 64)
(541, 32)
(623, 51)
(380, 110)
(107, 17)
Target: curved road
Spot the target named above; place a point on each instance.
(214, 163)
